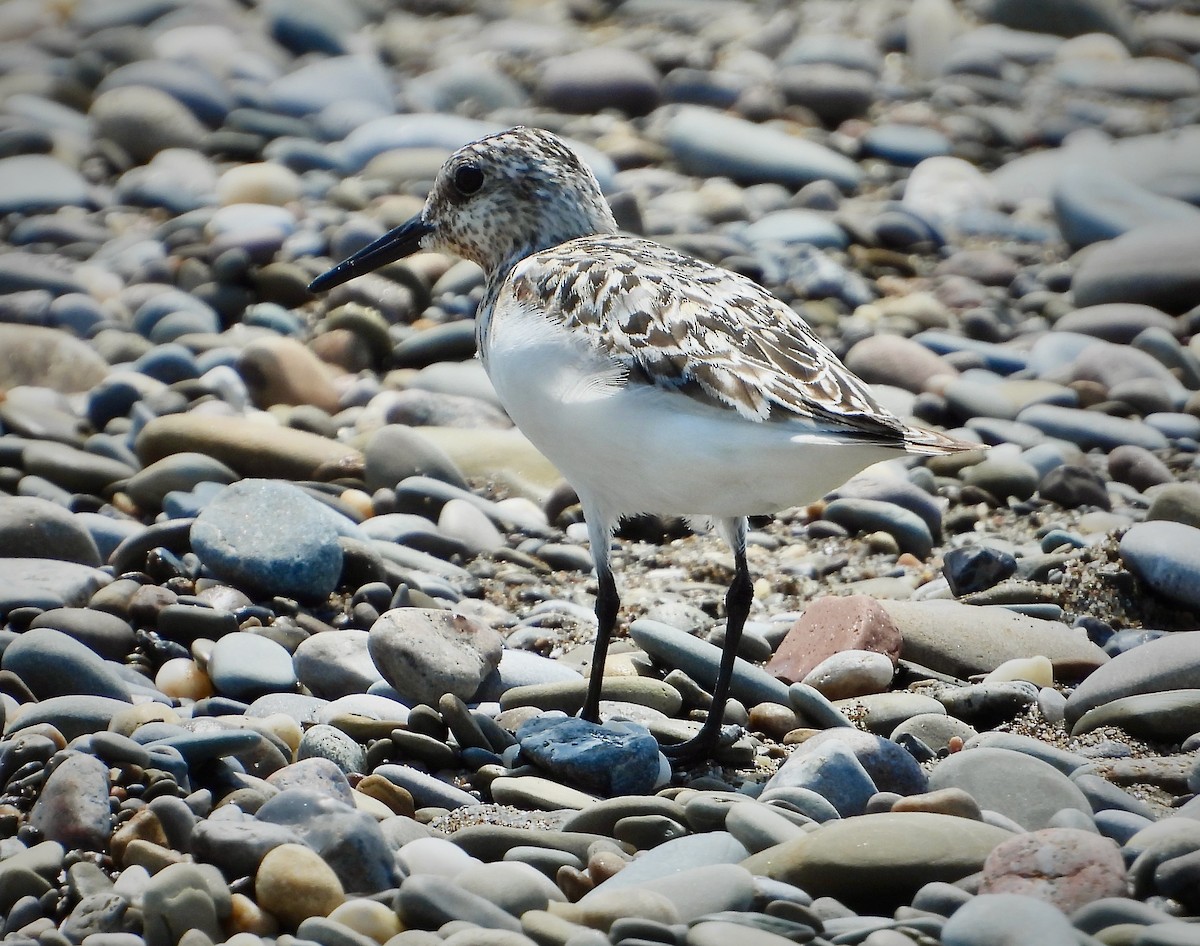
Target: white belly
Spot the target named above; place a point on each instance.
(638, 448)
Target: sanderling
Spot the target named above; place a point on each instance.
(655, 382)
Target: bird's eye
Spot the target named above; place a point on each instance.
(468, 179)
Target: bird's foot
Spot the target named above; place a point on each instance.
(704, 744)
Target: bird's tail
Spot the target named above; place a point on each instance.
(932, 443)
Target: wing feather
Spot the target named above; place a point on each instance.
(683, 324)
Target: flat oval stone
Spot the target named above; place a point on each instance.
(883, 855)
(1007, 920)
(1018, 786)
(964, 640)
(52, 663)
(246, 666)
(1168, 663)
(1165, 555)
(247, 446)
(37, 528)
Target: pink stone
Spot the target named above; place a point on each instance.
(829, 626)
(1065, 867)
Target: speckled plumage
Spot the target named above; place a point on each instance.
(654, 381)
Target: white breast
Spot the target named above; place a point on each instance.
(634, 448)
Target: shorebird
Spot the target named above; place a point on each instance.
(655, 382)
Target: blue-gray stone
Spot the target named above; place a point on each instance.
(271, 536)
(328, 81)
(710, 144)
(246, 666)
(31, 527)
(106, 634)
(1149, 264)
(1093, 205)
(995, 357)
(349, 841)
(700, 660)
(238, 847)
(891, 767)
(73, 716)
(427, 790)
(171, 301)
(33, 183)
(797, 226)
(166, 362)
(1169, 662)
(1018, 786)
(52, 663)
(1166, 556)
(832, 771)
(190, 83)
(672, 857)
(617, 758)
(872, 515)
(45, 583)
(899, 492)
(1006, 919)
(906, 145)
(1091, 429)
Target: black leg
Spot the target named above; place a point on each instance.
(608, 603)
(737, 608)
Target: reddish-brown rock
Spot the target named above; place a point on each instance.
(830, 625)
(1065, 867)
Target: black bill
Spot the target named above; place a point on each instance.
(396, 244)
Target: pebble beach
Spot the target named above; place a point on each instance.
(294, 622)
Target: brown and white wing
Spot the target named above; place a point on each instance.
(685, 325)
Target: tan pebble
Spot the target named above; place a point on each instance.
(773, 719)
(603, 908)
(247, 918)
(955, 744)
(283, 371)
(359, 501)
(799, 735)
(183, 679)
(127, 721)
(573, 883)
(369, 918)
(143, 826)
(293, 883)
(344, 348)
(883, 543)
(45, 729)
(851, 673)
(202, 651)
(945, 801)
(258, 183)
(1037, 669)
(394, 796)
(372, 806)
(153, 857)
(622, 665)
(283, 726)
(122, 503)
(542, 926)
(604, 864)
(247, 938)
